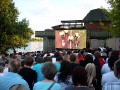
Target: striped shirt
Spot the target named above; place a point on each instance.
(112, 86)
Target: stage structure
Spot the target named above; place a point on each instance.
(77, 34)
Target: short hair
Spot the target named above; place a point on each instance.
(97, 54)
(79, 54)
(88, 58)
(29, 60)
(3, 57)
(18, 87)
(79, 76)
(22, 63)
(111, 62)
(73, 57)
(56, 54)
(1, 68)
(117, 66)
(59, 58)
(6, 61)
(14, 65)
(115, 54)
(2, 63)
(39, 60)
(49, 70)
(47, 59)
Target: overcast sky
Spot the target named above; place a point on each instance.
(43, 14)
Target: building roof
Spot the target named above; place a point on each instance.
(49, 34)
(71, 21)
(96, 15)
(68, 27)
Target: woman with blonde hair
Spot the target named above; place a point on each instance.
(91, 74)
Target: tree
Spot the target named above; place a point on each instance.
(13, 33)
(115, 17)
(21, 34)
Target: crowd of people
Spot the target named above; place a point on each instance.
(85, 69)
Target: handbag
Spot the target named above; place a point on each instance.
(51, 85)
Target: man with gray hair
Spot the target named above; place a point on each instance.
(48, 70)
(114, 85)
(12, 77)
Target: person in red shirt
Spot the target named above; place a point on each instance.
(80, 57)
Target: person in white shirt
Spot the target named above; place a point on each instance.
(105, 69)
(114, 85)
(109, 77)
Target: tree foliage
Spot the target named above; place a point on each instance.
(115, 17)
(14, 33)
(36, 39)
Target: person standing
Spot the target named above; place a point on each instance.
(79, 79)
(64, 76)
(114, 85)
(109, 77)
(27, 73)
(48, 70)
(12, 77)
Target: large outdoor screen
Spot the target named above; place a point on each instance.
(70, 39)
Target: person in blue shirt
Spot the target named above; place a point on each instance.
(48, 70)
(37, 67)
(12, 77)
